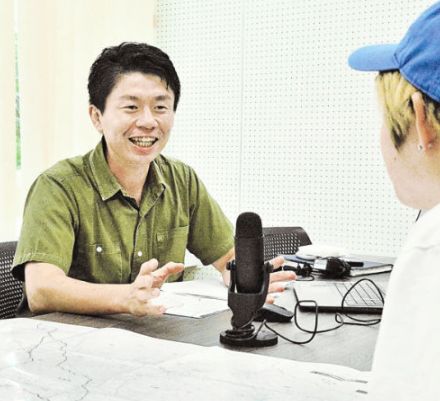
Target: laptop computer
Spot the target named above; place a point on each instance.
(363, 298)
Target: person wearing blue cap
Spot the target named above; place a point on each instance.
(406, 363)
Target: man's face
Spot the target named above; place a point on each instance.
(137, 120)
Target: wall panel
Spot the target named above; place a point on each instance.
(274, 120)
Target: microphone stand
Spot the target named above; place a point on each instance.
(244, 306)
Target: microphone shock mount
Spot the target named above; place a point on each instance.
(244, 307)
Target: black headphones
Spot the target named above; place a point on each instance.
(330, 267)
(334, 268)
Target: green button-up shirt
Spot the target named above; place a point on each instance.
(78, 218)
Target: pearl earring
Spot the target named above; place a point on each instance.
(419, 147)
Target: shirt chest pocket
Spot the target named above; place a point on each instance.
(100, 263)
(171, 245)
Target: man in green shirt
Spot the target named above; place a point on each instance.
(103, 231)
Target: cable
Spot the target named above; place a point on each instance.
(361, 322)
(314, 332)
(310, 278)
(339, 317)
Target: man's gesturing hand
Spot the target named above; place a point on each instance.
(146, 287)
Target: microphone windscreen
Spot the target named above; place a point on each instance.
(249, 253)
(248, 225)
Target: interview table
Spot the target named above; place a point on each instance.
(351, 346)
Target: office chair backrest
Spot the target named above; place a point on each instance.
(283, 240)
(11, 290)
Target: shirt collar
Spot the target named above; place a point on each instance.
(157, 176)
(107, 183)
(425, 232)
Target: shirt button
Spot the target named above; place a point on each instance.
(99, 249)
(140, 253)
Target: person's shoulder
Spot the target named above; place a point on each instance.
(67, 169)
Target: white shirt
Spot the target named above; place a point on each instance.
(406, 362)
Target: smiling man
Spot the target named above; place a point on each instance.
(101, 232)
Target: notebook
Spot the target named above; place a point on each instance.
(364, 298)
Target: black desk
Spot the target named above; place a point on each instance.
(349, 346)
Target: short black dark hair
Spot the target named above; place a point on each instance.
(125, 58)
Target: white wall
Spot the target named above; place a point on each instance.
(273, 119)
(8, 187)
(57, 41)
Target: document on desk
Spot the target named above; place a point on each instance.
(208, 288)
(42, 360)
(195, 298)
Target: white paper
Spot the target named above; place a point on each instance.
(189, 305)
(194, 298)
(209, 288)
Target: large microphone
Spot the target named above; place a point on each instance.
(249, 253)
(249, 284)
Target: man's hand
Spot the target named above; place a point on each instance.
(160, 275)
(146, 287)
(277, 279)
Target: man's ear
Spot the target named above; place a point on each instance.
(425, 133)
(95, 116)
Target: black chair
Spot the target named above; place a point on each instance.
(283, 240)
(11, 290)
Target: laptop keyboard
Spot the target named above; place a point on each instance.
(363, 293)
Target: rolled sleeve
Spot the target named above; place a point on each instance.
(48, 229)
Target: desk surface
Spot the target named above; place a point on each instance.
(350, 346)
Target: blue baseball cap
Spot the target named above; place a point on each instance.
(417, 56)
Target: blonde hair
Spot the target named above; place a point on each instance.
(395, 94)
